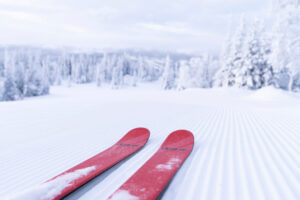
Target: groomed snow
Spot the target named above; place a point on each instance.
(246, 143)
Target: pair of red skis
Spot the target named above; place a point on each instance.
(146, 183)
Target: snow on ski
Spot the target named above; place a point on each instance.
(66, 182)
(150, 180)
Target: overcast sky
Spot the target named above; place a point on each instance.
(183, 25)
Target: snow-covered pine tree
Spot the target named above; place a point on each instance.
(9, 87)
(64, 63)
(100, 71)
(51, 68)
(184, 76)
(17, 62)
(117, 73)
(2, 61)
(69, 70)
(59, 66)
(82, 66)
(202, 75)
(154, 69)
(169, 75)
(141, 70)
(20, 78)
(256, 72)
(128, 70)
(112, 61)
(1, 88)
(220, 77)
(286, 44)
(45, 80)
(135, 71)
(226, 75)
(91, 68)
(37, 80)
(76, 69)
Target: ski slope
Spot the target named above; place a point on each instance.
(247, 144)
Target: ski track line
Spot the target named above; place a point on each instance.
(247, 169)
(217, 165)
(231, 159)
(291, 148)
(183, 176)
(206, 155)
(282, 127)
(284, 171)
(264, 171)
(278, 135)
(278, 165)
(244, 190)
(210, 160)
(292, 125)
(192, 165)
(179, 177)
(228, 178)
(221, 158)
(206, 124)
(255, 178)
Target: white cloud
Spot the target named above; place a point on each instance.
(17, 2)
(177, 28)
(171, 24)
(103, 12)
(74, 29)
(23, 16)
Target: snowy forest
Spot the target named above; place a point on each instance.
(253, 56)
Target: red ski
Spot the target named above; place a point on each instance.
(87, 170)
(150, 180)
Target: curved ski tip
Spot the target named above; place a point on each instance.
(141, 129)
(139, 132)
(183, 133)
(184, 137)
(136, 136)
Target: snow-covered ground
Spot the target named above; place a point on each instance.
(247, 144)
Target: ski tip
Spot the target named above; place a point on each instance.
(180, 138)
(140, 131)
(138, 136)
(183, 133)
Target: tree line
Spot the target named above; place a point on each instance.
(254, 56)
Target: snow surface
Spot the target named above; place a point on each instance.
(49, 190)
(245, 147)
(271, 94)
